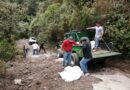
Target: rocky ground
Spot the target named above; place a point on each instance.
(41, 73)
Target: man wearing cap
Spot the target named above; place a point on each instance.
(87, 54)
(67, 48)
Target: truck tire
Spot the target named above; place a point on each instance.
(75, 59)
(59, 53)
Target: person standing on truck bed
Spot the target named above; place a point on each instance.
(87, 54)
(67, 48)
(98, 34)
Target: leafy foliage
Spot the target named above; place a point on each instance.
(49, 19)
(7, 50)
(10, 22)
(58, 17)
(118, 31)
(32, 7)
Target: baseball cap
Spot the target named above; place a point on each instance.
(70, 37)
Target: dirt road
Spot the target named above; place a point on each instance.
(40, 72)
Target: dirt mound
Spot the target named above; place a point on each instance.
(42, 74)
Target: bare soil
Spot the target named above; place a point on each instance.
(41, 73)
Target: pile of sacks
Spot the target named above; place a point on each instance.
(71, 73)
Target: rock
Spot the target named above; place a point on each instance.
(26, 71)
(45, 88)
(20, 88)
(29, 85)
(0, 84)
(46, 76)
(18, 81)
(55, 79)
(46, 67)
(10, 64)
(27, 67)
(38, 83)
(30, 78)
(59, 60)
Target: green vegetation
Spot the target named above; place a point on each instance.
(7, 50)
(65, 15)
(49, 19)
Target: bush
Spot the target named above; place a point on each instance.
(7, 50)
(118, 31)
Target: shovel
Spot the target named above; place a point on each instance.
(106, 45)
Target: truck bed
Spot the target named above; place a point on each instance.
(104, 53)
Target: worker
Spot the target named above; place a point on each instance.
(98, 34)
(67, 48)
(87, 54)
(25, 49)
(42, 47)
(35, 47)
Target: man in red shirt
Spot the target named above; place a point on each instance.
(67, 48)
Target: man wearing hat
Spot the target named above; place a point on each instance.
(67, 48)
(87, 55)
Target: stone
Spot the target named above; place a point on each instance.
(38, 83)
(18, 81)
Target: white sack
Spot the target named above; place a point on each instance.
(71, 73)
(92, 44)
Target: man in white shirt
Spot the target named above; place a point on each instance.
(35, 47)
(98, 34)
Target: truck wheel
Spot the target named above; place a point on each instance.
(75, 59)
(59, 53)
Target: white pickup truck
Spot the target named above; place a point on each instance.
(32, 40)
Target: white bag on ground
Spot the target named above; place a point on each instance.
(71, 73)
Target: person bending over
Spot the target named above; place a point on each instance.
(87, 55)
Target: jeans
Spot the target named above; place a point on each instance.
(83, 64)
(35, 51)
(97, 39)
(67, 58)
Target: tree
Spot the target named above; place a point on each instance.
(7, 50)
(11, 17)
(32, 8)
(19, 1)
